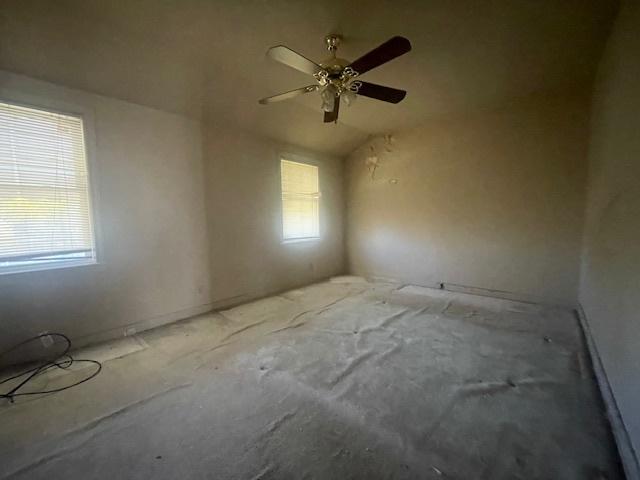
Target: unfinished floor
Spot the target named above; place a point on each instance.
(343, 379)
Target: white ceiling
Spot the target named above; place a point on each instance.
(207, 57)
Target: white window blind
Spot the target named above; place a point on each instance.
(300, 200)
(45, 215)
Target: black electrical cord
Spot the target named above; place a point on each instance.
(62, 361)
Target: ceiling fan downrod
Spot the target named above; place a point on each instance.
(333, 41)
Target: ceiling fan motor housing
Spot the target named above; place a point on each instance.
(333, 65)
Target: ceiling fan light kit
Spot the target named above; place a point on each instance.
(338, 78)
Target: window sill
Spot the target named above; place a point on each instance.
(300, 240)
(51, 266)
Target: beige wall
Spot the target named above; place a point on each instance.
(162, 257)
(248, 257)
(491, 200)
(610, 280)
(148, 176)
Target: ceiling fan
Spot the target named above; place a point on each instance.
(338, 78)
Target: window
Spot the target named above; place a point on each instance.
(300, 200)
(45, 218)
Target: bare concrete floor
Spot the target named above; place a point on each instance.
(343, 379)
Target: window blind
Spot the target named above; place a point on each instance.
(300, 200)
(44, 192)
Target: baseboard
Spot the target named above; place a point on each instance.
(515, 296)
(140, 326)
(234, 301)
(149, 323)
(479, 291)
(628, 455)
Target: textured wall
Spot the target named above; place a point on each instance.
(147, 166)
(610, 281)
(248, 257)
(491, 200)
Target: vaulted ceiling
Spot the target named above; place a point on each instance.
(206, 58)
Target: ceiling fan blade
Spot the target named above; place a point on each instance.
(332, 116)
(380, 92)
(389, 50)
(288, 95)
(293, 59)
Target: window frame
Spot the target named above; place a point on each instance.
(53, 105)
(297, 158)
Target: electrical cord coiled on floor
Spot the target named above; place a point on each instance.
(62, 361)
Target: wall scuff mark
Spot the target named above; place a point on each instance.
(373, 159)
